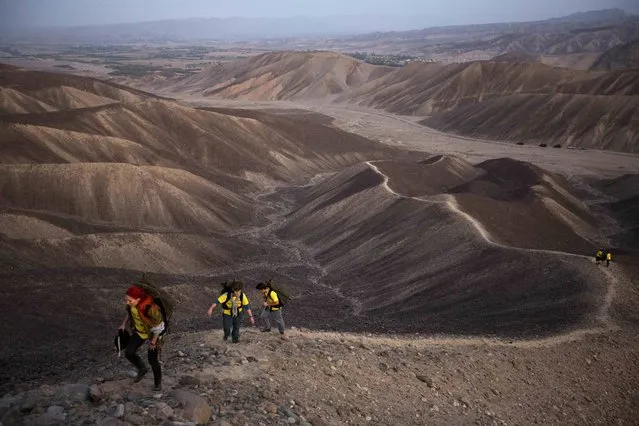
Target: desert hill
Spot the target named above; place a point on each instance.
(499, 99)
(599, 122)
(434, 89)
(351, 222)
(620, 82)
(619, 57)
(36, 91)
(282, 76)
(624, 207)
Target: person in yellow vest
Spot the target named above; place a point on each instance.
(599, 256)
(233, 303)
(145, 318)
(608, 258)
(272, 308)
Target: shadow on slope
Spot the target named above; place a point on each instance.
(410, 264)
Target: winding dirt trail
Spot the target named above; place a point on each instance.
(603, 315)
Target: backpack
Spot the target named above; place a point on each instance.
(161, 298)
(227, 287)
(282, 297)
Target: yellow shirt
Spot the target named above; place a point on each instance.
(272, 298)
(226, 304)
(140, 327)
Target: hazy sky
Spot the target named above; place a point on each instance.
(439, 12)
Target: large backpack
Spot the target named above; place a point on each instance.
(281, 296)
(227, 288)
(161, 298)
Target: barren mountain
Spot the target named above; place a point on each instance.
(504, 100)
(36, 91)
(619, 57)
(621, 82)
(282, 76)
(362, 221)
(599, 122)
(425, 89)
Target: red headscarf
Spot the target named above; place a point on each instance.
(136, 292)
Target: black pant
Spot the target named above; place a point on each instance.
(231, 326)
(131, 355)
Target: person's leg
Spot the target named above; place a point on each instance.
(156, 367)
(131, 354)
(279, 319)
(227, 324)
(265, 315)
(237, 321)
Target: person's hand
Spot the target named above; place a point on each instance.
(266, 304)
(209, 312)
(122, 327)
(252, 320)
(153, 344)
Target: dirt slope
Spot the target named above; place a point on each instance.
(281, 76)
(420, 262)
(599, 122)
(619, 57)
(424, 89)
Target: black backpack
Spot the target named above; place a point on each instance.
(227, 288)
(282, 297)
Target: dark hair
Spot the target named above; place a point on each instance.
(237, 285)
(261, 286)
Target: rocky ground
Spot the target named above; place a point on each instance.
(324, 378)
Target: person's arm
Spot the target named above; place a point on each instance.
(272, 299)
(247, 306)
(157, 324)
(210, 311)
(218, 301)
(250, 314)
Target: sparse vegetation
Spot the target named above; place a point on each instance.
(388, 60)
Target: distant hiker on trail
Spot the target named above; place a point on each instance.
(608, 258)
(146, 320)
(272, 307)
(599, 256)
(233, 302)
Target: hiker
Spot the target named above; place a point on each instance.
(145, 318)
(234, 303)
(608, 258)
(272, 308)
(599, 256)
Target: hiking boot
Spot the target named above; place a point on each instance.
(225, 338)
(157, 388)
(141, 374)
(265, 330)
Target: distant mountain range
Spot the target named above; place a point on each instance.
(481, 99)
(243, 29)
